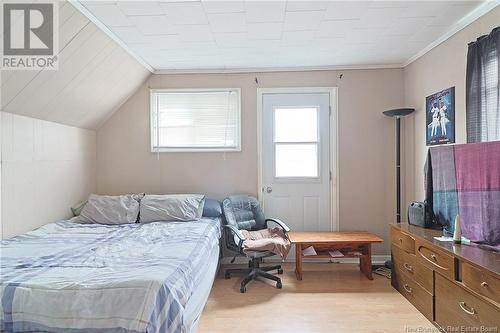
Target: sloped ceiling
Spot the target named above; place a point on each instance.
(94, 78)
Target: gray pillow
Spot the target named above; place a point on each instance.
(173, 207)
(104, 209)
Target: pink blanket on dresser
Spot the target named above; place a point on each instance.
(270, 239)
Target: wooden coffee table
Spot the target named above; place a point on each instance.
(347, 242)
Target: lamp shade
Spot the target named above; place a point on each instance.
(398, 112)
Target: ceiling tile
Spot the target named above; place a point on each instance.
(264, 30)
(387, 4)
(427, 34)
(345, 10)
(336, 28)
(227, 22)
(292, 6)
(265, 11)
(109, 14)
(163, 41)
(332, 45)
(194, 33)
(240, 40)
(303, 20)
(139, 7)
(409, 25)
(223, 6)
(368, 35)
(450, 16)
(303, 37)
(426, 8)
(129, 34)
(184, 12)
(152, 25)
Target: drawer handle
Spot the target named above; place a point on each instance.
(407, 288)
(484, 284)
(408, 267)
(433, 256)
(463, 306)
(401, 240)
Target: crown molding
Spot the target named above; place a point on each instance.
(462, 23)
(82, 9)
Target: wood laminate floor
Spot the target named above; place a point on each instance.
(330, 298)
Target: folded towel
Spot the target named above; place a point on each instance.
(270, 239)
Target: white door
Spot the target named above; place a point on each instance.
(296, 159)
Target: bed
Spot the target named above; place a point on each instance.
(72, 278)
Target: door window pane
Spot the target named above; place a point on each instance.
(296, 160)
(296, 125)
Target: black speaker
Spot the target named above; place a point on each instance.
(419, 214)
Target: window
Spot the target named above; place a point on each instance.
(195, 120)
(296, 141)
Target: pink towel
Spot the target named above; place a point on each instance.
(270, 239)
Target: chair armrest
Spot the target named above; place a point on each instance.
(280, 223)
(238, 234)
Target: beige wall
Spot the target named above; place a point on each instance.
(441, 68)
(46, 168)
(366, 144)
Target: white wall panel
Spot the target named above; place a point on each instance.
(46, 168)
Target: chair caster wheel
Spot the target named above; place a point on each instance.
(243, 289)
(279, 285)
(227, 276)
(280, 271)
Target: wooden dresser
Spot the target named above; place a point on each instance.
(457, 287)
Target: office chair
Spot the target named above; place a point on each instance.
(243, 212)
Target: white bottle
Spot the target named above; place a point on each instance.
(457, 234)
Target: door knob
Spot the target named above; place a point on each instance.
(269, 189)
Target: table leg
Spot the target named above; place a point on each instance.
(365, 262)
(298, 261)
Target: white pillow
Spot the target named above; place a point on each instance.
(104, 209)
(173, 207)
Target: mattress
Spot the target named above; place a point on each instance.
(68, 277)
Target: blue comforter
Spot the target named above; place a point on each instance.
(72, 278)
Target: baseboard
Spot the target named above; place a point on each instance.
(376, 260)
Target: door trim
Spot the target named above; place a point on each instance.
(332, 91)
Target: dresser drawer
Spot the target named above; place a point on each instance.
(481, 282)
(456, 307)
(413, 268)
(403, 240)
(414, 293)
(436, 259)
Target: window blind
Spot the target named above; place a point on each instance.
(195, 120)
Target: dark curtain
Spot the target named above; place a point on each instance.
(482, 88)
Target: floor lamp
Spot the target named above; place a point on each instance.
(397, 114)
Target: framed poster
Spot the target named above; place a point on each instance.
(440, 117)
